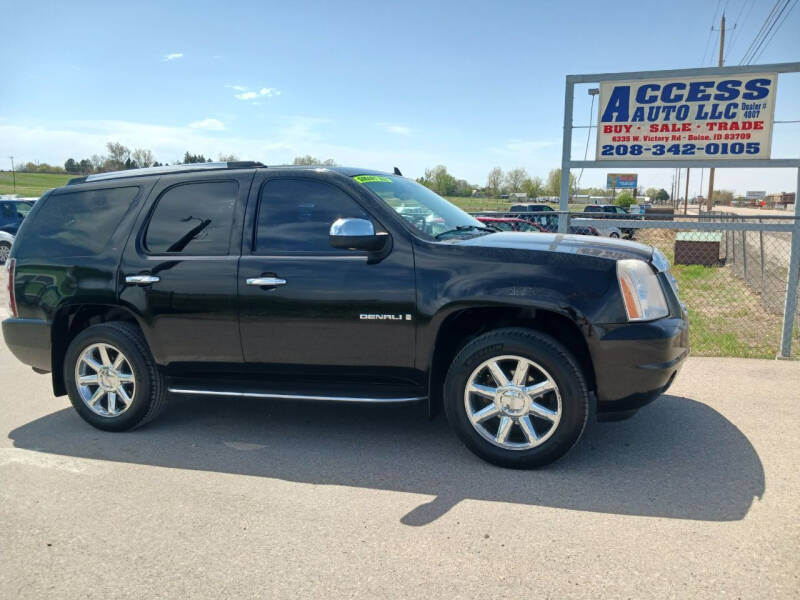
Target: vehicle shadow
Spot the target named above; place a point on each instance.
(677, 458)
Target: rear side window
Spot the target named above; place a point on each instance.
(295, 215)
(76, 223)
(193, 219)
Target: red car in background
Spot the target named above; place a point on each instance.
(510, 224)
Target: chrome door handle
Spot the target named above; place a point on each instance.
(266, 281)
(142, 279)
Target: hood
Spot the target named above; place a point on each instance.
(601, 247)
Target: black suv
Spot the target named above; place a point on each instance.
(335, 284)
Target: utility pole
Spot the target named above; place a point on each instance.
(686, 199)
(13, 174)
(710, 199)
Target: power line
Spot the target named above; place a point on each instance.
(768, 31)
(769, 41)
(758, 36)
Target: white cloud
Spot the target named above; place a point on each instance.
(395, 128)
(264, 92)
(208, 124)
(287, 137)
(173, 56)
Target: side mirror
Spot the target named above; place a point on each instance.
(356, 234)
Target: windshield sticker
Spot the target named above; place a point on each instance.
(371, 178)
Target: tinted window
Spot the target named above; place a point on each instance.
(295, 215)
(193, 218)
(76, 223)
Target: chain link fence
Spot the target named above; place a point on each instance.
(733, 281)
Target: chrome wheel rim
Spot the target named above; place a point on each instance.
(513, 402)
(5, 251)
(105, 380)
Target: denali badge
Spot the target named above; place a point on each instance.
(368, 317)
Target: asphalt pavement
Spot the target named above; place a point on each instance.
(694, 497)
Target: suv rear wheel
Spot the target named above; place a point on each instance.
(516, 397)
(111, 377)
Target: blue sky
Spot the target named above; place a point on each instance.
(471, 85)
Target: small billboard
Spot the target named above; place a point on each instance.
(625, 181)
(755, 195)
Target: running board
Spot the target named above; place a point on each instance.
(273, 396)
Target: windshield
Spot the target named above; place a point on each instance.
(426, 212)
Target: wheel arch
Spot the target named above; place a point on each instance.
(465, 324)
(68, 321)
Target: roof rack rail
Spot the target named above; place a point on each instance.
(166, 169)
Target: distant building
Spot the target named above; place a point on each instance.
(780, 200)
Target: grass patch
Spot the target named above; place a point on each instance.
(726, 316)
(32, 184)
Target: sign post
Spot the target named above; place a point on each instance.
(711, 117)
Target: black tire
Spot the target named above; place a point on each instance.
(151, 390)
(5, 250)
(614, 234)
(542, 350)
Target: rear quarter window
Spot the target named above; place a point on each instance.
(80, 223)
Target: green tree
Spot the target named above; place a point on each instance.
(85, 166)
(117, 156)
(142, 157)
(533, 187)
(553, 187)
(723, 197)
(71, 166)
(514, 179)
(625, 199)
(662, 197)
(439, 180)
(189, 158)
(493, 182)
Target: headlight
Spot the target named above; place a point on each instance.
(641, 292)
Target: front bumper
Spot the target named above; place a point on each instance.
(29, 341)
(634, 363)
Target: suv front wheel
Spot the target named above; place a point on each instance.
(516, 397)
(111, 377)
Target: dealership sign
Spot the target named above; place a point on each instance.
(616, 181)
(687, 118)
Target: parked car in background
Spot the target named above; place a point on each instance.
(612, 211)
(530, 207)
(549, 222)
(605, 230)
(6, 240)
(510, 224)
(12, 213)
